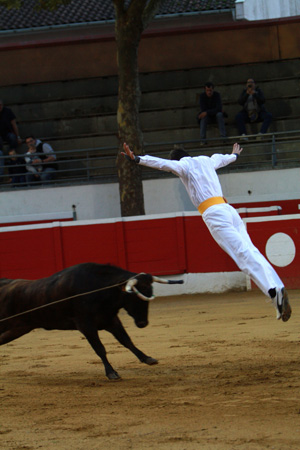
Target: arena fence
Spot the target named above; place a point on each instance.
(98, 165)
(185, 247)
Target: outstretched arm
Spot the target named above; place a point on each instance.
(220, 160)
(153, 162)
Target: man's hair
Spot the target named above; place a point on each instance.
(30, 137)
(178, 152)
(209, 84)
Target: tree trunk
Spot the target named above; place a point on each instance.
(128, 33)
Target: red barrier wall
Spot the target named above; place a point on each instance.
(263, 228)
(161, 245)
(287, 206)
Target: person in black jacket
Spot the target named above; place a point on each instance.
(8, 127)
(210, 111)
(8, 132)
(252, 99)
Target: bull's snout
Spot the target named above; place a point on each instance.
(141, 323)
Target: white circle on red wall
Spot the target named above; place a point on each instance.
(280, 249)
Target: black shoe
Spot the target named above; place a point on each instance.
(282, 305)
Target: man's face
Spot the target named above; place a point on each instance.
(250, 83)
(209, 91)
(30, 144)
(13, 155)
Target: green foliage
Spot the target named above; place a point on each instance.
(9, 4)
(50, 5)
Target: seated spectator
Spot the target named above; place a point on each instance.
(8, 128)
(211, 111)
(16, 168)
(252, 99)
(40, 161)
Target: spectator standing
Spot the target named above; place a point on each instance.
(252, 100)
(8, 127)
(40, 161)
(211, 111)
(8, 132)
(16, 168)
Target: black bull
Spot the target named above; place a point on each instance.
(115, 289)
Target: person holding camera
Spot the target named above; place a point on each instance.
(252, 99)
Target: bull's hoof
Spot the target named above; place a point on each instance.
(114, 376)
(150, 361)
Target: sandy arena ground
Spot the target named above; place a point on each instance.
(228, 378)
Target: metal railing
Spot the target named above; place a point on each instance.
(98, 165)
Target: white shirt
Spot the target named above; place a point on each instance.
(198, 174)
(29, 157)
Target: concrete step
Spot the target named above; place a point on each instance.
(237, 74)
(193, 133)
(158, 81)
(188, 97)
(150, 120)
(58, 109)
(58, 90)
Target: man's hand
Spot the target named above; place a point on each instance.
(129, 154)
(37, 161)
(202, 115)
(236, 149)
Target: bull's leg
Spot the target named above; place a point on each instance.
(118, 331)
(14, 333)
(91, 334)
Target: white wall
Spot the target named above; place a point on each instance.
(91, 201)
(161, 196)
(200, 283)
(169, 195)
(266, 9)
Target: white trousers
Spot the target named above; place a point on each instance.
(229, 231)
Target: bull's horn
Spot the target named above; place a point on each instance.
(161, 280)
(130, 284)
(130, 287)
(142, 296)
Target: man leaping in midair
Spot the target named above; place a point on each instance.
(198, 174)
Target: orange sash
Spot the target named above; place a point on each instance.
(210, 202)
